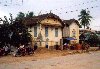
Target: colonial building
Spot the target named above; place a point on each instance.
(71, 29)
(45, 29)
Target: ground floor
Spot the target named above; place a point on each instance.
(49, 43)
(44, 43)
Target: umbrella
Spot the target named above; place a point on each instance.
(70, 38)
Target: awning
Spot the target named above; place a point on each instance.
(70, 38)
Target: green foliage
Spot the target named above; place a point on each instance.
(30, 14)
(85, 18)
(20, 34)
(5, 30)
(93, 39)
(90, 38)
(20, 16)
(14, 32)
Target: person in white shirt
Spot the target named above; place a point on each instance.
(6, 50)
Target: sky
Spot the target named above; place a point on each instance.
(65, 9)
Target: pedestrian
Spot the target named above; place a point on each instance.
(47, 45)
(6, 50)
(18, 52)
(9, 48)
(87, 47)
(57, 47)
(23, 50)
(35, 46)
(64, 46)
(67, 46)
(78, 47)
(83, 47)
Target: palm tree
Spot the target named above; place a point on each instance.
(85, 18)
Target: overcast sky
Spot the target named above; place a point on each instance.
(65, 9)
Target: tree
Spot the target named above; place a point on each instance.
(90, 38)
(85, 18)
(93, 39)
(30, 14)
(20, 16)
(20, 34)
(13, 31)
(5, 30)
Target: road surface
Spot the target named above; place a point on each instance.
(76, 61)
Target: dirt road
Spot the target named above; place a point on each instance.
(76, 61)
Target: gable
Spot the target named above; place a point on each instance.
(74, 25)
(69, 22)
(51, 21)
(45, 19)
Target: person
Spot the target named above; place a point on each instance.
(35, 46)
(83, 47)
(47, 46)
(67, 46)
(87, 48)
(29, 50)
(57, 47)
(72, 47)
(78, 47)
(21, 46)
(64, 46)
(23, 50)
(18, 52)
(6, 50)
(9, 48)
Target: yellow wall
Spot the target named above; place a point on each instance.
(32, 33)
(51, 21)
(76, 27)
(51, 32)
(66, 32)
(51, 35)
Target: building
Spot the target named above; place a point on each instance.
(71, 29)
(81, 31)
(46, 29)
